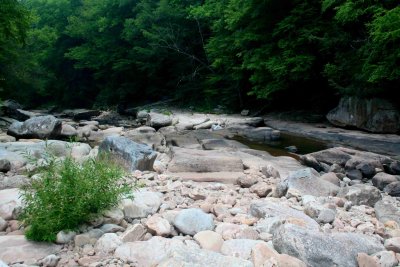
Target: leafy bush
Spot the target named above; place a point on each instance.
(68, 193)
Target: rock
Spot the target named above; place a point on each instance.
(361, 194)
(3, 224)
(331, 156)
(68, 131)
(42, 127)
(146, 135)
(9, 201)
(205, 125)
(131, 155)
(15, 248)
(209, 240)
(393, 189)
(134, 233)
(306, 182)
(321, 249)
(310, 161)
(64, 237)
(107, 244)
(145, 203)
(262, 255)
(111, 228)
(270, 171)
(364, 260)
(81, 114)
(386, 258)
(191, 160)
(274, 214)
(395, 167)
(386, 211)
(113, 216)
(319, 212)
(331, 177)
(262, 189)
(373, 115)
(5, 165)
(354, 175)
(393, 244)
(367, 169)
(158, 226)
(190, 257)
(157, 120)
(142, 253)
(247, 181)
(192, 221)
(381, 180)
(50, 261)
(83, 239)
(240, 248)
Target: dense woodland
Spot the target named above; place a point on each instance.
(204, 53)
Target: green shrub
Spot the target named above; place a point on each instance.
(68, 193)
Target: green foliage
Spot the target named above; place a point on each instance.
(68, 193)
(204, 53)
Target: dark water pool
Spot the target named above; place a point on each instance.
(278, 148)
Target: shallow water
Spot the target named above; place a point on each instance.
(278, 148)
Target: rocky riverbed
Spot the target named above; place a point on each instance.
(206, 200)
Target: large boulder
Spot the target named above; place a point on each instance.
(16, 249)
(14, 110)
(189, 256)
(131, 155)
(319, 249)
(361, 194)
(157, 120)
(193, 160)
(10, 199)
(306, 182)
(146, 135)
(373, 115)
(42, 127)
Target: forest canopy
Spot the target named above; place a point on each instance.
(232, 53)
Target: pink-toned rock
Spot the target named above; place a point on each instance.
(393, 244)
(209, 240)
(364, 260)
(158, 226)
(134, 233)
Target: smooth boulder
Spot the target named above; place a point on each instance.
(42, 127)
(193, 221)
(131, 155)
(319, 249)
(157, 120)
(373, 115)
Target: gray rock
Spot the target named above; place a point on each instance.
(16, 181)
(310, 161)
(367, 169)
(393, 189)
(5, 165)
(192, 221)
(50, 261)
(157, 120)
(144, 204)
(131, 155)
(374, 115)
(332, 156)
(393, 244)
(146, 135)
(306, 182)
(354, 174)
(395, 167)
(68, 131)
(381, 180)
(319, 249)
(387, 211)
(331, 177)
(194, 257)
(42, 127)
(361, 194)
(3, 224)
(134, 233)
(215, 144)
(276, 214)
(64, 237)
(111, 228)
(107, 244)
